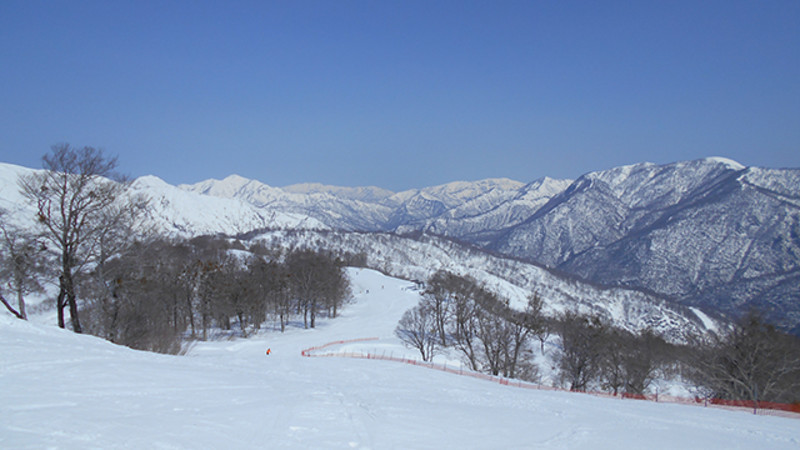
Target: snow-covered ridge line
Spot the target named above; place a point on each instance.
(374, 209)
(709, 233)
(171, 211)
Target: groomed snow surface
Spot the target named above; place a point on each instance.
(62, 390)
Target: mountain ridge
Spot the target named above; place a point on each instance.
(707, 233)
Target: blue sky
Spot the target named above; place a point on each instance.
(399, 94)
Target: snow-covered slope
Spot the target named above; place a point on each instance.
(62, 390)
(418, 259)
(176, 211)
(19, 212)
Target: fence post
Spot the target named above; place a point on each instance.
(755, 403)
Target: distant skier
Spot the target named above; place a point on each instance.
(269, 350)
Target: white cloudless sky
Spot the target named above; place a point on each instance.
(399, 94)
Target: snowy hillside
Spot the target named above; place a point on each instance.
(20, 212)
(188, 214)
(418, 259)
(172, 211)
(62, 390)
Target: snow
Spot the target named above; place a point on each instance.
(20, 212)
(62, 390)
(176, 211)
(726, 161)
(707, 321)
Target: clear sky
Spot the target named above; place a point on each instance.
(399, 94)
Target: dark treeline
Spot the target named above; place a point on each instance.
(749, 361)
(156, 294)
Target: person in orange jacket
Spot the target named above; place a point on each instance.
(269, 350)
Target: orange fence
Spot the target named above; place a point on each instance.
(762, 408)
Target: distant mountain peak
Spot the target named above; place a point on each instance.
(150, 181)
(725, 161)
(236, 179)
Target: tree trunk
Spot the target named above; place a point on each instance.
(69, 292)
(21, 304)
(60, 302)
(191, 315)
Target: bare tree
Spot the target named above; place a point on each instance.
(417, 329)
(22, 262)
(304, 267)
(317, 280)
(646, 355)
(581, 349)
(453, 297)
(71, 195)
(135, 304)
(494, 334)
(543, 332)
(752, 361)
(519, 328)
(463, 327)
(275, 283)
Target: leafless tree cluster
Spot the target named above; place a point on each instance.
(159, 292)
(456, 312)
(751, 361)
(594, 354)
(317, 284)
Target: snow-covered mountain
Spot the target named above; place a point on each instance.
(710, 233)
(171, 211)
(339, 208)
(464, 210)
(479, 218)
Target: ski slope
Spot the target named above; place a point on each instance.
(62, 390)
